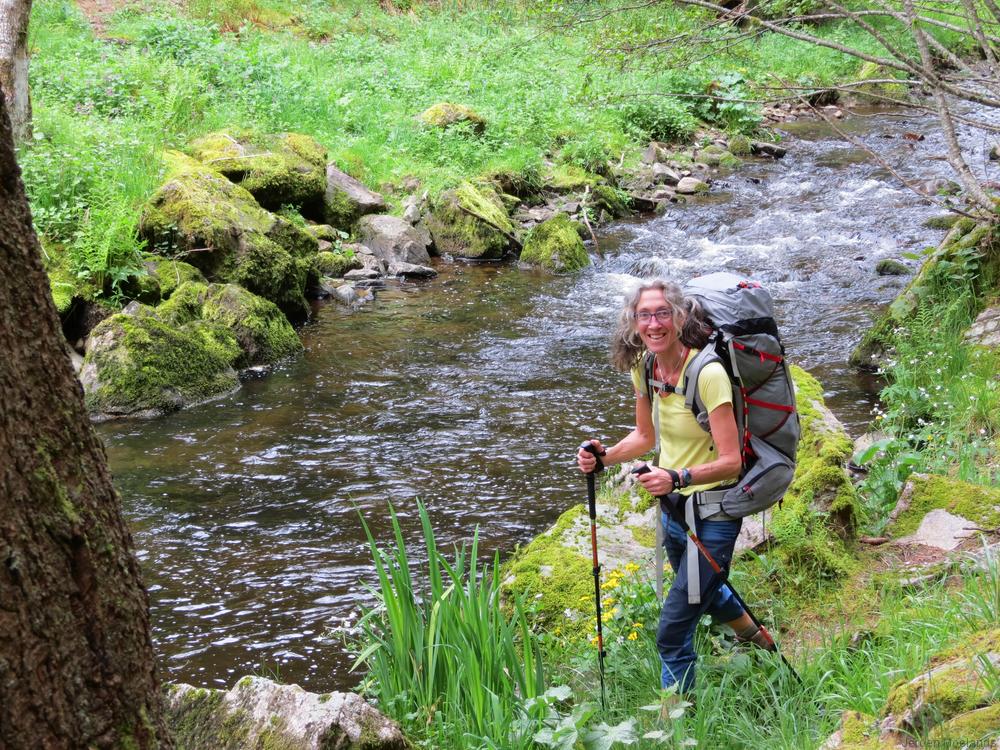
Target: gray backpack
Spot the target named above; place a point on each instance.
(745, 340)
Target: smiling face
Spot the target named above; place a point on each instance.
(657, 330)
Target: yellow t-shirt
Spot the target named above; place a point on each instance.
(683, 443)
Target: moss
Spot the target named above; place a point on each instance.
(323, 232)
(152, 366)
(950, 690)
(977, 503)
(444, 114)
(740, 145)
(567, 178)
(278, 170)
(608, 199)
(870, 71)
(644, 536)
(171, 274)
(859, 731)
(273, 273)
(570, 581)
(555, 245)
(262, 332)
(335, 264)
(944, 221)
(184, 305)
(62, 293)
(971, 729)
(891, 267)
(470, 222)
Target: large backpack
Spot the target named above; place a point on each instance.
(745, 340)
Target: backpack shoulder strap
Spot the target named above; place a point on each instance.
(692, 399)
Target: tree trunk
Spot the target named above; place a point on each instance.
(76, 657)
(14, 16)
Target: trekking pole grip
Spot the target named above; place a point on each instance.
(592, 449)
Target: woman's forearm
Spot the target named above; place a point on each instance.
(633, 445)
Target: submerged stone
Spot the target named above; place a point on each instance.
(471, 222)
(555, 245)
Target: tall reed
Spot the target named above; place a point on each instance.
(444, 656)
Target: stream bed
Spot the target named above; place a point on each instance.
(471, 392)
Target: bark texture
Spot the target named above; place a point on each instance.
(14, 16)
(76, 657)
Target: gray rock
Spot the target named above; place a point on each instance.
(346, 199)
(411, 214)
(655, 152)
(345, 294)
(767, 149)
(392, 239)
(940, 529)
(361, 273)
(664, 175)
(410, 270)
(265, 713)
(691, 185)
(985, 331)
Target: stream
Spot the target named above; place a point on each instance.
(471, 392)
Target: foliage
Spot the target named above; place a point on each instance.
(940, 409)
(449, 662)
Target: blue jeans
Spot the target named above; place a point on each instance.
(678, 619)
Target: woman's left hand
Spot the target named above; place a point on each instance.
(656, 481)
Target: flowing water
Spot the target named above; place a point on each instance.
(472, 391)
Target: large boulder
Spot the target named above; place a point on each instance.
(138, 365)
(392, 239)
(346, 200)
(259, 713)
(223, 231)
(285, 169)
(445, 114)
(555, 245)
(171, 274)
(471, 222)
(261, 331)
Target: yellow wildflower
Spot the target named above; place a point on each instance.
(633, 636)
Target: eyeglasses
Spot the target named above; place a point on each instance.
(662, 315)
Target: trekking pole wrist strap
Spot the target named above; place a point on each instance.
(675, 477)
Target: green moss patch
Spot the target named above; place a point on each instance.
(977, 503)
(172, 274)
(286, 169)
(140, 365)
(555, 245)
(568, 178)
(972, 729)
(445, 114)
(335, 264)
(471, 222)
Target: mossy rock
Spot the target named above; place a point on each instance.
(880, 88)
(719, 157)
(263, 334)
(606, 198)
(285, 169)
(740, 145)
(470, 222)
(569, 178)
(815, 523)
(943, 692)
(171, 274)
(891, 267)
(335, 264)
(977, 503)
(228, 236)
(323, 232)
(555, 245)
(62, 284)
(976, 728)
(944, 221)
(445, 114)
(138, 365)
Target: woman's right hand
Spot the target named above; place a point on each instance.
(585, 459)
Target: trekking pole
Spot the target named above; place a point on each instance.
(723, 575)
(592, 503)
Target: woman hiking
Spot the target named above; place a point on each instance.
(658, 319)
